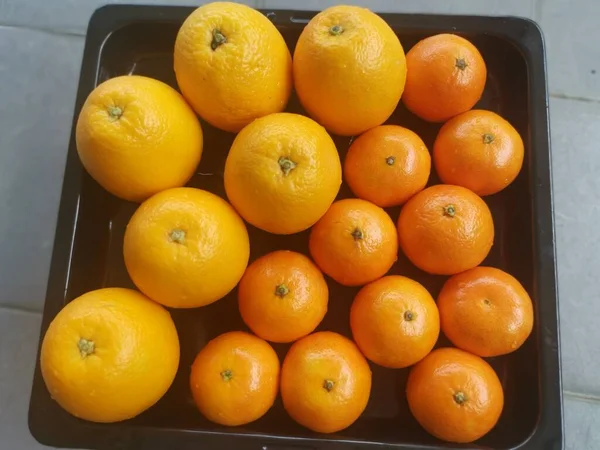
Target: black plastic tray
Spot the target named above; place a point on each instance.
(87, 254)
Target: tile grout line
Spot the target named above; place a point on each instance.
(52, 31)
(561, 96)
(588, 398)
(17, 309)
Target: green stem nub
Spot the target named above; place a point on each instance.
(449, 211)
(357, 234)
(460, 397)
(177, 235)
(86, 347)
(226, 375)
(281, 290)
(336, 30)
(488, 138)
(328, 385)
(390, 160)
(218, 39)
(461, 64)
(408, 316)
(287, 165)
(115, 113)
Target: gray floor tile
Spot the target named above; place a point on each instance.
(18, 349)
(582, 424)
(576, 164)
(572, 36)
(38, 79)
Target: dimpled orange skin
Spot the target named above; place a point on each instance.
(387, 165)
(283, 296)
(325, 382)
(454, 395)
(186, 248)
(349, 69)
(478, 150)
(395, 321)
(485, 311)
(355, 242)
(282, 173)
(445, 230)
(247, 76)
(235, 379)
(137, 136)
(446, 77)
(109, 355)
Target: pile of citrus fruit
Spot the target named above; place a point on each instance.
(113, 353)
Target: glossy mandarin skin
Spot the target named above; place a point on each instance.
(454, 395)
(387, 165)
(282, 173)
(355, 242)
(232, 65)
(478, 150)
(235, 379)
(445, 230)
(349, 69)
(283, 296)
(485, 311)
(446, 77)
(137, 136)
(325, 382)
(186, 248)
(395, 321)
(109, 355)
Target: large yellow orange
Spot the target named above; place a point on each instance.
(349, 69)
(282, 173)
(186, 248)
(232, 65)
(137, 136)
(109, 355)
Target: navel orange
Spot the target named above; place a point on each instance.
(186, 248)
(454, 395)
(232, 65)
(394, 321)
(282, 173)
(446, 229)
(349, 69)
(235, 379)
(446, 77)
(137, 136)
(325, 382)
(109, 355)
(387, 165)
(478, 150)
(283, 296)
(355, 242)
(485, 311)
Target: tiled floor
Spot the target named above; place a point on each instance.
(41, 43)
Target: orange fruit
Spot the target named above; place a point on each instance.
(485, 311)
(186, 248)
(445, 230)
(109, 355)
(283, 296)
(446, 77)
(349, 69)
(387, 165)
(232, 65)
(137, 136)
(478, 150)
(394, 321)
(282, 173)
(454, 395)
(235, 379)
(355, 242)
(325, 382)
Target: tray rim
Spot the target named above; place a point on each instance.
(524, 33)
